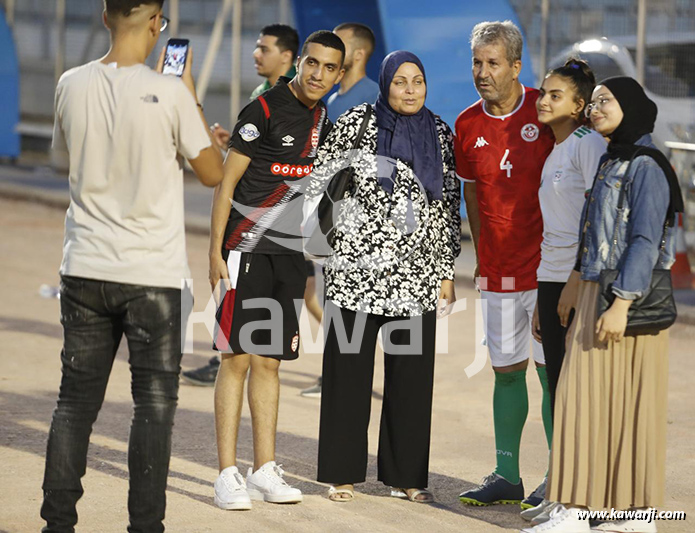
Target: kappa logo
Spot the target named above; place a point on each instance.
(249, 132)
(288, 140)
(529, 132)
(558, 175)
(481, 142)
(314, 138)
(150, 99)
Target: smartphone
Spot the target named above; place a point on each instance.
(175, 56)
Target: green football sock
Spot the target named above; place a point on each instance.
(545, 405)
(509, 408)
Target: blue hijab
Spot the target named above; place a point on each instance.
(410, 138)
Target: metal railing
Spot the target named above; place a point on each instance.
(683, 161)
(52, 36)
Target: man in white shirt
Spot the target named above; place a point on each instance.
(126, 129)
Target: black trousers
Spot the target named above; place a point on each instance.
(95, 315)
(406, 415)
(552, 332)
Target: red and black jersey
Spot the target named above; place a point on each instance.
(281, 136)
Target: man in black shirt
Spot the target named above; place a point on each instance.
(256, 252)
(275, 54)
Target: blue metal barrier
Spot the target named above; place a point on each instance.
(312, 15)
(9, 92)
(437, 31)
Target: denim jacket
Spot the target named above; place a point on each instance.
(631, 242)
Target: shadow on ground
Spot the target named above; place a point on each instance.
(19, 411)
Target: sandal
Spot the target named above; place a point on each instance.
(403, 495)
(338, 495)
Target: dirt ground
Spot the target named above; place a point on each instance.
(462, 435)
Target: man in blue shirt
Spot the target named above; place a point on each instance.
(355, 88)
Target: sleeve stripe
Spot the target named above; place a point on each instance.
(266, 109)
(464, 179)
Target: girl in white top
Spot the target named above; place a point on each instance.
(567, 174)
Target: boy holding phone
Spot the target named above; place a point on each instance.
(124, 260)
(175, 55)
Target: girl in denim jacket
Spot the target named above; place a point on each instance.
(610, 417)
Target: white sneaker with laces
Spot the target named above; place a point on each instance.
(267, 484)
(562, 520)
(628, 526)
(230, 490)
(544, 515)
(533, 512)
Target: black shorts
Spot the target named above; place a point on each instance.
(259, 315)
(310, 270)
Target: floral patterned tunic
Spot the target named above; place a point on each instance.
(390, 251)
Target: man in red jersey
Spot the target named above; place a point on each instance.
(500, 151)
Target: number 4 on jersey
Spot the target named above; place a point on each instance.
(506, 165)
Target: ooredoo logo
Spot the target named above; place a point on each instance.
(529, 132)
(280, 169)
(295, 343)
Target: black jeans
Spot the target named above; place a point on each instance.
(552, 332)
(346, 393)
(95, 315)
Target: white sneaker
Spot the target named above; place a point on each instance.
(533, 512)
(561, 520)
(267, 484)
(627, 526)
(230, 490)
(544, 515)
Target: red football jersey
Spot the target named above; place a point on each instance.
(504, 156)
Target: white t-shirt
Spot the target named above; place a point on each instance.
(567, 174)
(124, 129)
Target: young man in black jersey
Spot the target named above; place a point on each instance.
(256, 252)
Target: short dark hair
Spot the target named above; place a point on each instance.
(328, 39)
(287, 37)
(125, 7)
(361, 32)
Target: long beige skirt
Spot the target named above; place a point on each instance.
(609, 437)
